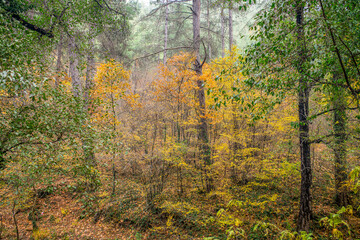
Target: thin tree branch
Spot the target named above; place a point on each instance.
(321, 139)
(327, 111)
(151, 54)
(59, 138)
(351, 54)
(337, 51)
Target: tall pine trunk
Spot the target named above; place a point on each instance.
(208, 28)
(222, 30)
(166, 31)
(305, 211)
(203, 126)
(231, 38)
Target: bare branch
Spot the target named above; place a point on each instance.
(152, 12)
(322, 139)
(151, 54)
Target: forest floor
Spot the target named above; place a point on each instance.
(69, 212)
(59, 219)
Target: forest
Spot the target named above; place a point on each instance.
(179, 119)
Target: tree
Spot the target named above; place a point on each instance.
(338, 102)
(291, 61)
(277, 76)
(304, 91)
(111, 85)
(203, 125)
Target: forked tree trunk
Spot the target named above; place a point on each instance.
(203, 126)
(305, 210)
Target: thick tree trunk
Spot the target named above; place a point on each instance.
(73, 68)
(166, 31)
(304, 90)
(339, 127)
(203, 126)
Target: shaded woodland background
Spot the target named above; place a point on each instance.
(179, 119)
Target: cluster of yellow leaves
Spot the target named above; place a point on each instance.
(176, 86)
(112, 80)
(176, 80)
(111, 85)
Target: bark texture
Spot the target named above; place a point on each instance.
(305, 210)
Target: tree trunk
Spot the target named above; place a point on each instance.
(73, 68)
(222, 29)
(208, 28)
(304, 90)
(235, 146)
(339, 127)
(58, 62)
(166, 31)
(88, 145)
(113, 150)
(203, 126)
(230, 28)
(89, 81)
